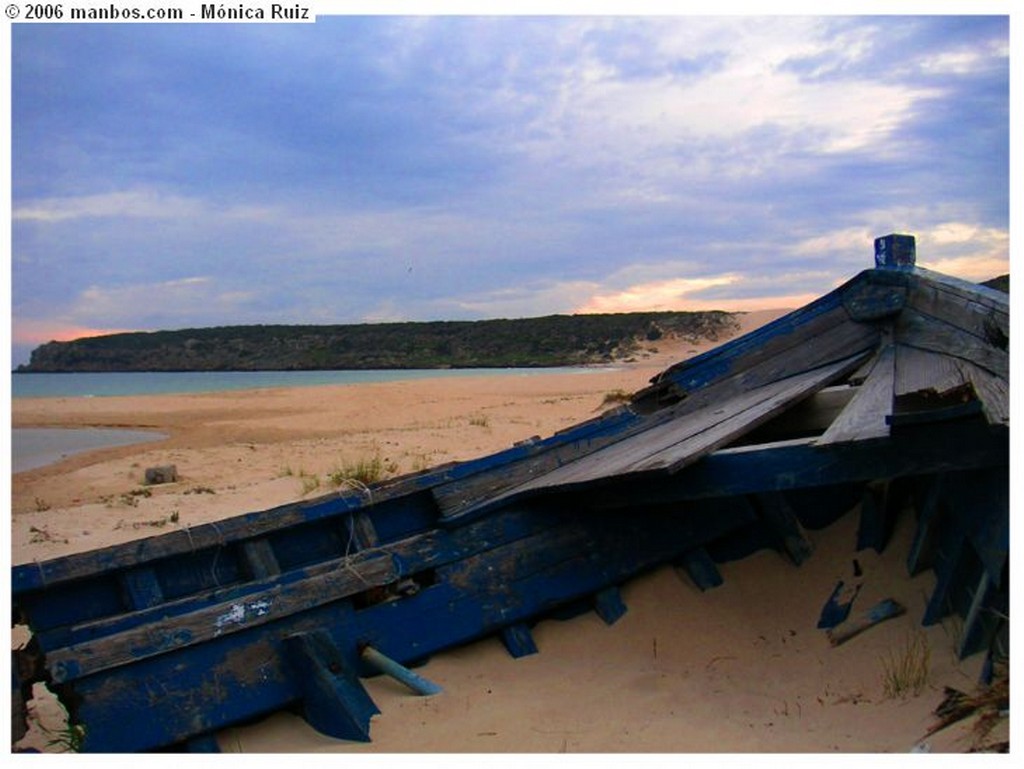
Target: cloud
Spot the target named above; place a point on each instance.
(436, 167)
(965, 250)
(660, 295)
(136, 203)
(196, 300)
(126, 204)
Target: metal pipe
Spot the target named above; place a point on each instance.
(400, 673)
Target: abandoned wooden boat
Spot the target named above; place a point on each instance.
(890, 392)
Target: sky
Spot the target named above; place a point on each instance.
(378, 168)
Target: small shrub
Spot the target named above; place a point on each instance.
(310, 483)
(362, 473)
(479, 421)
(615, 397)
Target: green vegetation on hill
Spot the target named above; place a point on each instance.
(555, 340)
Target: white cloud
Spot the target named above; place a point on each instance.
(130, 203)
(964, 250)
(141, 203)
(600, 115)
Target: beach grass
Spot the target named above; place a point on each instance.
(905, 668)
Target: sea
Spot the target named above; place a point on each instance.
(37, 447)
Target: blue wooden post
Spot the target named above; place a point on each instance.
(518, 640)
(701, 568)
(785, 527)
(334, 701)
(609, 605)
(895, 251)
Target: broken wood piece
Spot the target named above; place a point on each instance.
(387, 666)
(881, 611)
(837, 609)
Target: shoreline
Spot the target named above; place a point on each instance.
(36, 447)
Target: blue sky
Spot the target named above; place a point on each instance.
(459, 167)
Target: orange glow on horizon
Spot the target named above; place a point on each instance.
(40, 332)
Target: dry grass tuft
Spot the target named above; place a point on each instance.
(905, 670)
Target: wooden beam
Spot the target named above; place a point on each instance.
(784, 525)
(701, 568)
(921, 551)
(260, 559)
(864, 417)
(141, 588)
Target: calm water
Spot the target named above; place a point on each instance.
(38, 446)
(156, 383)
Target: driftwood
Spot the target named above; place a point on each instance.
(881, 611)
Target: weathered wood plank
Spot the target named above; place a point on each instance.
(993, 391)
(673, 445)
(268, 605)
(829, 338)
(771, 341)
(768, 402)
(459, 499)
(801, 463)
(410, 556)
(923, 332)
(458, 495)
(864, 417)
(977, 309)
(925, 371)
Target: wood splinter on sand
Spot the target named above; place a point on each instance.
(881, 611)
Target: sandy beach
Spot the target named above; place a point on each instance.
(741, 668)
